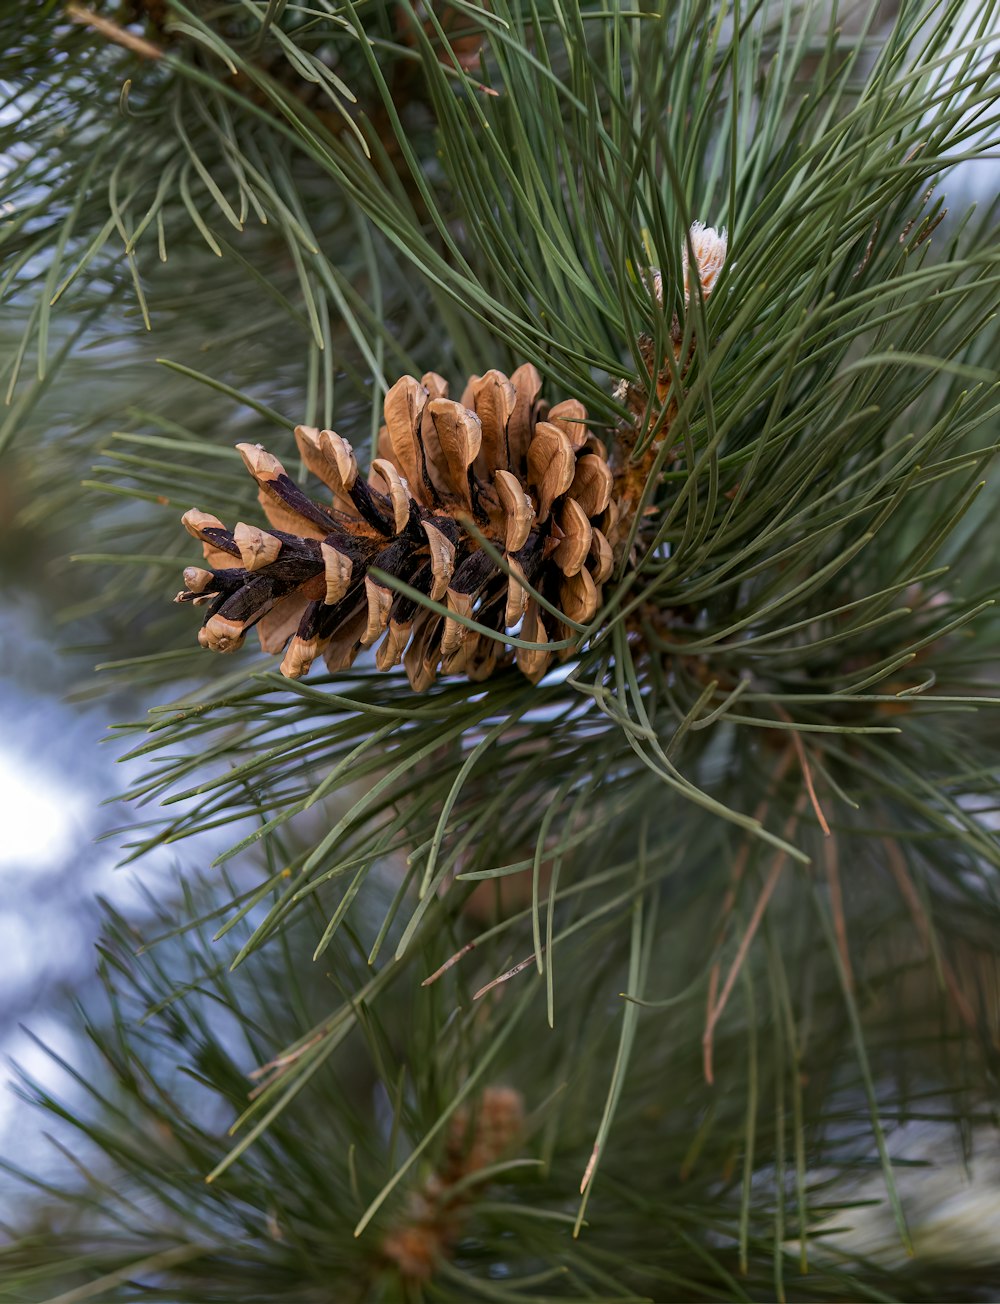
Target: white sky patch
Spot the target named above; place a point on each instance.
(43, 818)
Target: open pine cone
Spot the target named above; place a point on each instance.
(531, 479)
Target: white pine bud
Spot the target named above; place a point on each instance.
(709, 246)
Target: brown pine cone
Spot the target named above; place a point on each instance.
(530, 478)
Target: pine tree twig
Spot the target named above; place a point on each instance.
(588, 1172)
(908, 891)
(452, 960)
(112, 31)
(276, 1066)
(771, 882)
(511, 973)
(739, 869)
(831, 859)
(806, 771)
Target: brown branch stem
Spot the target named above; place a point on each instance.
(112, 31)
(770, 883)
(909, 893)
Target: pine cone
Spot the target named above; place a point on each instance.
(531, 479)
(476, 1139)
